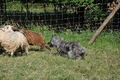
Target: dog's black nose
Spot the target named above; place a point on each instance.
(48, 43)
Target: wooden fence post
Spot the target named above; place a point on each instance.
(104, 24)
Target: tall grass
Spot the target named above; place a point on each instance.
(102, 59)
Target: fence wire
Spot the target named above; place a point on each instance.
(57, 16)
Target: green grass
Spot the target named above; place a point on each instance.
(102, 57)
(102, 60)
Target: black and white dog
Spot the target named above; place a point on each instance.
(72, 48)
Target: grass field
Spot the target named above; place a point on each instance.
(102, 60)
(102, 57)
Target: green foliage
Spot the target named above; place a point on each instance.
(96, 13)
(77, 3)
(82, 3)
(104, 1)
(17, 5)
(95, 10)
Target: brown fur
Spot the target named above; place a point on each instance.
(34, 38)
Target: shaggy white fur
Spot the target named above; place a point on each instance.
(13, 41)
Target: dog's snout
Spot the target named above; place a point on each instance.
(50, 44)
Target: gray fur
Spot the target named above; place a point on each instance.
(72, 48)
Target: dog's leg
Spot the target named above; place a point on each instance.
(77, 58)
(82, 55)
(58, 52)
(70, 54)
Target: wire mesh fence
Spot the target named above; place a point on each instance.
(57, 16)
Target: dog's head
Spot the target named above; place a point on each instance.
(55, 41)
(49, 43)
